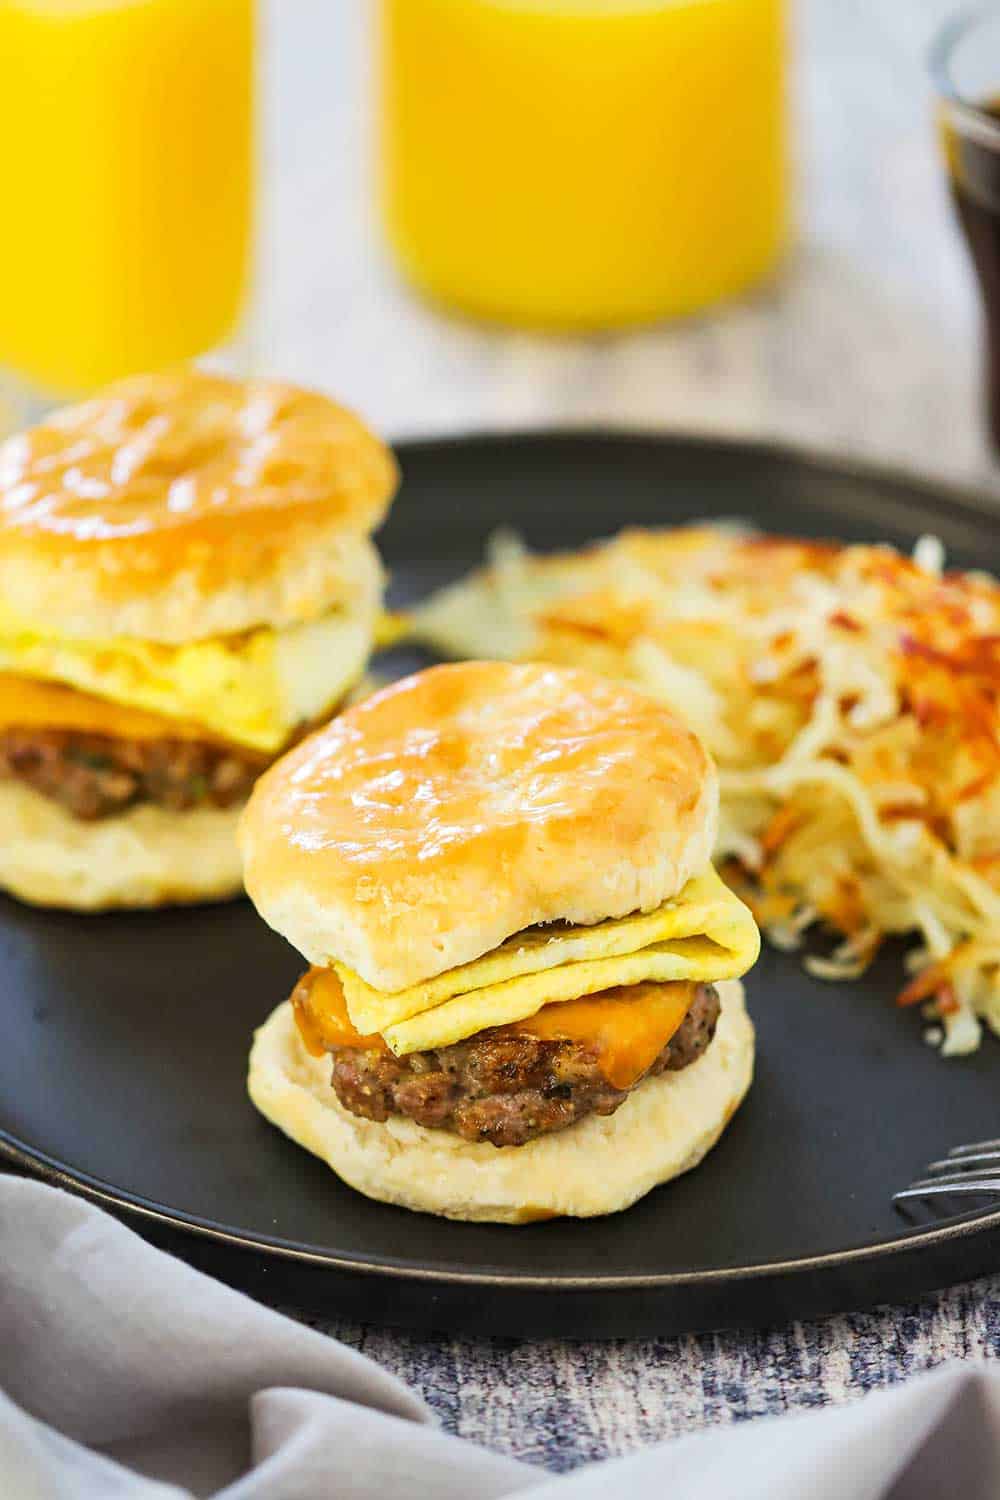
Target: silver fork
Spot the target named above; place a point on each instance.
(966, 1169)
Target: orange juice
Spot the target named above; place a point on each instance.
(127, 183)
(583, 163)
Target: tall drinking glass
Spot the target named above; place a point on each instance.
(583, 164)
(128, 167)
(966, 66)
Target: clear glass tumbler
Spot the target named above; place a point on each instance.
(966, 67)
(128, 172)
(583, 164)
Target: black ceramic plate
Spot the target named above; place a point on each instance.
(125, 1037)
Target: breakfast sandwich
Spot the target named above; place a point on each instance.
(187, 583)
(524, 998)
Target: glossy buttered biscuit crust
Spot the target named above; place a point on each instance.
(464, 804)
(181, 506)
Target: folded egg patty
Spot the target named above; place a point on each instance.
(252, 690)
(703, 934)
(99, 727)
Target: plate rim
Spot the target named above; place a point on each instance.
(960, 501)
(963, 498)
(970, 1225)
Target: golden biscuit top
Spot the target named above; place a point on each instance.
(430, 822)
(191, 483)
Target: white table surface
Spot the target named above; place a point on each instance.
(866, 345)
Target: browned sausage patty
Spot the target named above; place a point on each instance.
(97, 775)
(501, 1086)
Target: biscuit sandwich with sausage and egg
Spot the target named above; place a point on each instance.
(524, 998)
(187, 582)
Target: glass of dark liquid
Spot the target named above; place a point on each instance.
(966, 67)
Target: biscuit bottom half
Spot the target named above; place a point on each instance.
(147, 856)
(598, 1166)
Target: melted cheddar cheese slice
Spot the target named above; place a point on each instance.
(704, 934)
(25, 704)
(625, 1028)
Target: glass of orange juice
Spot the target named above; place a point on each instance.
(583, 164)
(128, 167)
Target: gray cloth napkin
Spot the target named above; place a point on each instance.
(130, 1376)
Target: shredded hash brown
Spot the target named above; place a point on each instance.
(851, 697)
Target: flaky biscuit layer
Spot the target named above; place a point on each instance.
(148, 856)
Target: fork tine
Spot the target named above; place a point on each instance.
(955, 1179)
(972, 1159)
(960, 1182)
(974, 1146)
